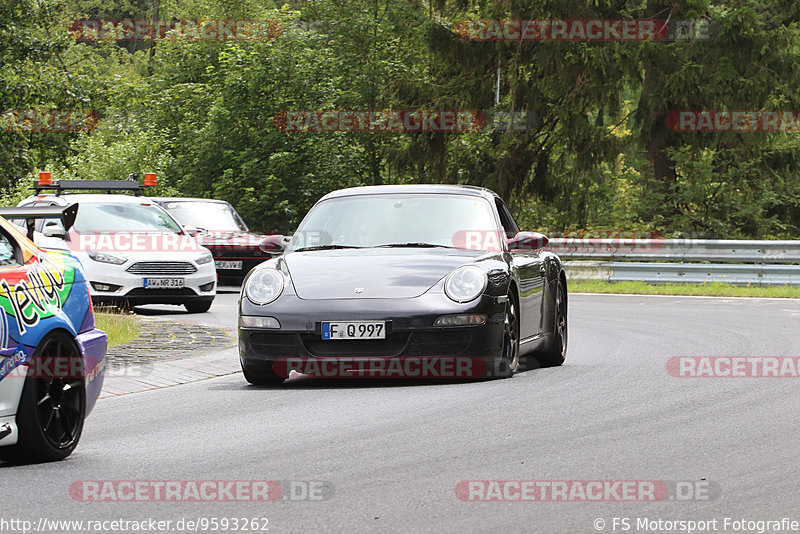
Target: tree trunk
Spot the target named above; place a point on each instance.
(156, 35)
(658, 193)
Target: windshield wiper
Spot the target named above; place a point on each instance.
(412, 245)
(324, 247)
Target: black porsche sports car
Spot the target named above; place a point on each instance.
(413, 281)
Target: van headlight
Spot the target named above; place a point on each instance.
(107, 257)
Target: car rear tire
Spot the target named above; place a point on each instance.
(51, 408)
(556, 351)
(262, 377)
(198, 307)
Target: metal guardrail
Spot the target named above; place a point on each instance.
(681, 260)
(678, 250)
(687, 273)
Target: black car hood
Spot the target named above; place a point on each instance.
(379, 273)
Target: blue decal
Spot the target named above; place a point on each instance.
(11, 362)
(3, 329)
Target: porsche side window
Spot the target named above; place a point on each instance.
(509, 225)
(8, 255)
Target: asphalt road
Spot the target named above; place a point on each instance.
(393, 454)
(222, 313)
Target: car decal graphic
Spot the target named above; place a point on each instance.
(5, 430)
(95, 372)
(3, 329)
(38, 292)
(10, 363)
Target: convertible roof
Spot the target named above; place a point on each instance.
(451, 189)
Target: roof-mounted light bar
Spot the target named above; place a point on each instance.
(46, 183)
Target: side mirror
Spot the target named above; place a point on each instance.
(54, 229)
(273, 244)
(191, 230)
(527, 241)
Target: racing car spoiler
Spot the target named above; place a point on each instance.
(66, 214)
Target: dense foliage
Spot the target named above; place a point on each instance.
(592, 149)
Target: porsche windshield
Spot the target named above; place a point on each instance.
(108, 217)
(412, 220)
(211, 216)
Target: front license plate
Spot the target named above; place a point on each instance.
(163, 283)
(354, 330)
(228, 265)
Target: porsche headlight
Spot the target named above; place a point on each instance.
(465, 283)
(264, 286)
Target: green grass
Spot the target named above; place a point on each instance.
(121, 327)
(712, 289)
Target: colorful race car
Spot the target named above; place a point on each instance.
(52, 358)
